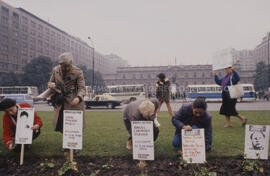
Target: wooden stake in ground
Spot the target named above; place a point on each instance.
(22, 154)
(71, 155)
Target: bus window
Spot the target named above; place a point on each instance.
(194, 89)
(219, 89)
(246, 88)
(201, 89)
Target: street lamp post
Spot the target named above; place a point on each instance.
(268, 65)
(93, 66)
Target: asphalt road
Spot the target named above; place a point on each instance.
(252, 106)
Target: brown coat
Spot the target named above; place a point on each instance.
(73, 86)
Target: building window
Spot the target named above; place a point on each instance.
(141, 76)
(40, 43)
(24, 20)
(4, 20)
(194, 75)
(4, 38)
(24, 45)
(24, 28)
(40, 27)
(33, 24)
(133, 76)
(33, 32)
(24, 37)
(5, 11)
(186, 75)
(4, 29)
(203, 75)
(5, 48)
(124, 76)
(4, 57)
(15, 51)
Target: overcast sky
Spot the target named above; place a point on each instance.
(155, 32)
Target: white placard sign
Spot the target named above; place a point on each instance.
(25, 121)
(72, 131)
(257, 141)
(193, 146)
(222, 59)
(142, 140)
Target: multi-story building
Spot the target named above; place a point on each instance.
(261, 52)
(24, 36)
(182, 75)
(245, 59)
(115, 61)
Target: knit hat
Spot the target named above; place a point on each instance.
(147, 108)
(7, 103)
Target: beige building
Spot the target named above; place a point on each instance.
(182, 75)
(261, 51)
(115, 61)
(24, 36)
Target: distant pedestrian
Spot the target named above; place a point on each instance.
(228, 104)
(163, 94)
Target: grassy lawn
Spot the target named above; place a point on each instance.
(105, 135)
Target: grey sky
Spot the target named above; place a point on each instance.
(154, 32)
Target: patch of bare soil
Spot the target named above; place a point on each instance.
(126, 166)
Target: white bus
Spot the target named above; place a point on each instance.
(26, 90)
(212, 92)
(19, 93)
(127, 93)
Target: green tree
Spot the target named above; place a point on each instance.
(10, 79)
(37, 72)
(261, 81)
(99, 85)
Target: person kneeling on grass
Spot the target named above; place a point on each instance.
(10, 120)
(191, 116)
(140, 110)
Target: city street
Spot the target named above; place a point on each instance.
(252, 106)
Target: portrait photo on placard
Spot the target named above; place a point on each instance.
(257, 141)
(25, 120)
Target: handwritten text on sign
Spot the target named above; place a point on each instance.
(142, 140)
(193, 146)
(72, 132)
(25, 121)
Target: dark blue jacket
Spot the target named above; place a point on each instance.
(235, 80)
(184, 117)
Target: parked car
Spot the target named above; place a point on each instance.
(20, 98)
(102, 100)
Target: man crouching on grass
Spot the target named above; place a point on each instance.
(140, 110)
(191, 116)
(10, 120)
